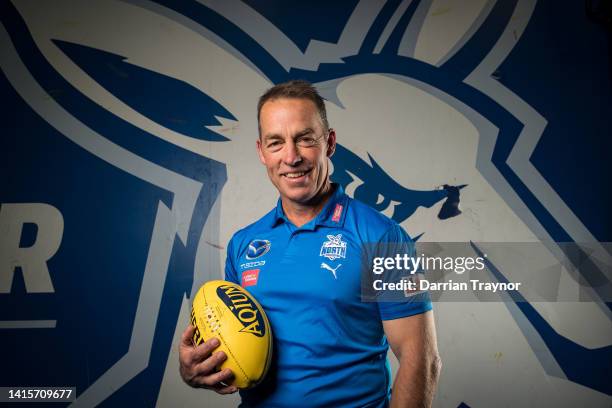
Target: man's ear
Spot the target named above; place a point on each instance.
(331, 143)
(259, 151)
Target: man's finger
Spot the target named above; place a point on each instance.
(230, 389)
(204, 350)
(209, 365)
(213, 380)
(187, 336)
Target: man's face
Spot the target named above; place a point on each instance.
(294, 147)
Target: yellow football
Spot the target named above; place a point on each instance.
(228, 312)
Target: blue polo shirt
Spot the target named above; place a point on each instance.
(329, 345)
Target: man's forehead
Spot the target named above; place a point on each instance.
(299, 113)
(303, 104)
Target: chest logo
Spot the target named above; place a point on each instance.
(329, 268)
(257, 248)
(334, 248)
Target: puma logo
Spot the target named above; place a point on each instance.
(329, 268)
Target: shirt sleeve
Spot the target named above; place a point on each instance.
(231, 274)
(398, 304)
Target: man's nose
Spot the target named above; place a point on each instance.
(292, 155)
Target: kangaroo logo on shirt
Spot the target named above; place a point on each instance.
(333, 248)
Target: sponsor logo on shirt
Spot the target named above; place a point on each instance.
(257, 248)
(250, 277)
(254, 264)
(413, 286)
(334, 248)
(337, 213)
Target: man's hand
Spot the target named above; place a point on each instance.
(198, 365)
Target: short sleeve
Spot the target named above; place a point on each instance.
(230, 270)
(397, 242)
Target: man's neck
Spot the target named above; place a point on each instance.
(300, 214)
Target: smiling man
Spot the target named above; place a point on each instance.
(294, 145)
(330, 344)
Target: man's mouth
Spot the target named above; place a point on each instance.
(296, 174)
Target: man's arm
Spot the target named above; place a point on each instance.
(413, 341)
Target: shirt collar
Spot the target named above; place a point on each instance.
(332, 214)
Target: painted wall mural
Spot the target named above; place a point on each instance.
(128, 155)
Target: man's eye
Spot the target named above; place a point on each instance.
(274, 143)
(306, 141)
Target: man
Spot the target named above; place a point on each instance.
(329, 345)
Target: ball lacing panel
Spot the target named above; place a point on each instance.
(212, 320)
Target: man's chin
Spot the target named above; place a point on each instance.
(298, 195)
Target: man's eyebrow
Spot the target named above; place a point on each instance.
(272, 136)
(304, 132)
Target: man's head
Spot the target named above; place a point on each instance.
(295, 141)
(296, 89)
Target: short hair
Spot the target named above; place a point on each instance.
(298, 89)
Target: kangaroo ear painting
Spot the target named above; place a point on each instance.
(130, 159)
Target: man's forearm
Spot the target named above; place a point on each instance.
(416, 382)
